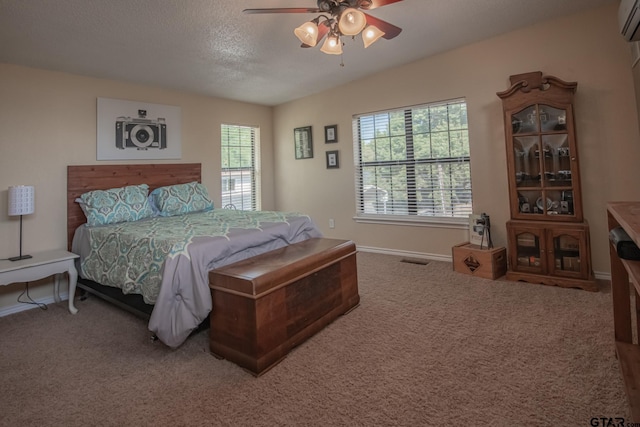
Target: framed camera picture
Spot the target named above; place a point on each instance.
(303, 142)
(332, 160)
(135, 130)
(331, 134)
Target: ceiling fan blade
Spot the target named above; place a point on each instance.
(390, 30)
(323, 29)
(284, 10)
(380, 3)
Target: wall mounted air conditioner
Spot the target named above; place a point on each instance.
(629, 19)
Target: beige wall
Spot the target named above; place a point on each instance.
(585, 48)
(48, 121)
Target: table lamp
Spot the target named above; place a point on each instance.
(21, 202)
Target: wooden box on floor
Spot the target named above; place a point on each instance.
(486, 263)
(266, 305)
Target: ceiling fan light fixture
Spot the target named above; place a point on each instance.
(307, 33)
(339, 18)
(370, 35)
(332, 45)
(352, 21)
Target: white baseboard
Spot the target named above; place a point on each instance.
(396, 252)
(18, 307)
(600, 275)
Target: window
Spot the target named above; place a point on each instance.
(240, 167)
(413, 162)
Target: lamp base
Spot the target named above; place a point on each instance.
(18, 258)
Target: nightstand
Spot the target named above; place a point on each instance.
(43, 264)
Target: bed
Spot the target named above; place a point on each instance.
(181, 301)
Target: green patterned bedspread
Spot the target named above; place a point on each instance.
(167, 259)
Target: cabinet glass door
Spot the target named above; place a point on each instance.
(527, 165)
(528, 255)
(566, 254)
(526, 154)
(557, 173)
(557, 160)
(542, 162)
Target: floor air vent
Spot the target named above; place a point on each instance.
(415, 261)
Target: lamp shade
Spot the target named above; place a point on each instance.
(21, 200)
(370, 35)
(351, 22)
(332, 45)
(307, 33)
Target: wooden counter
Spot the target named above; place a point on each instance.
(624, 272)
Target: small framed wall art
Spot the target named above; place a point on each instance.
(331, 134)
(332, 160)
(303, 142)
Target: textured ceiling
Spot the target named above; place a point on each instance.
(210, 47)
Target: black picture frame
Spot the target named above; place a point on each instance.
(303, 142)
(333, 160)
(330, 134)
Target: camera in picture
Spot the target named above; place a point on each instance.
(141, 133)
(482, 227)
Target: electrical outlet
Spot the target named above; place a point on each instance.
(332, 223)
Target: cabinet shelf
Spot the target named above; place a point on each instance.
(552, 132)
(559, 254)
(629, 360)
(537, 187)
(633, 268)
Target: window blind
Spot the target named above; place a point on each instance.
(414, 161)
(240, 172)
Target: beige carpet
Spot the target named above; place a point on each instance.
(426, 346)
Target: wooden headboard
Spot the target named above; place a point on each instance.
(81, 179)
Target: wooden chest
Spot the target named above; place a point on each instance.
(486, 263)
(266, 305)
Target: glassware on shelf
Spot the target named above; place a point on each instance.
(525, 121)
(527, 166)
(559, 167)
(556, 118)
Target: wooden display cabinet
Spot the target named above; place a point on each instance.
(545, 198)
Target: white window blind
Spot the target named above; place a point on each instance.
(240, 167)
(413, 162)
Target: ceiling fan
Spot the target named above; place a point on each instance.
(339, 18)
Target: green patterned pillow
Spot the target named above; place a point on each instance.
(116, 205)
(180, 199)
